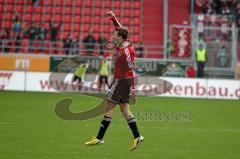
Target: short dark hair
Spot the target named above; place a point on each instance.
(123, 32)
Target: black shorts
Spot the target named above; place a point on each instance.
(76, 78)
(119, 91)
(103, 79)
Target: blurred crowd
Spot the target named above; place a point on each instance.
(225, 7)
(42, 38)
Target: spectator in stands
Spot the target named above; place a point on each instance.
(32, 32)
(198, 6)
(225, 8)
(75, 46)
(42, 35)
(170, 47)
(139, 49)
(67, 44)
(190, 71)
(234, 8)
(18, 43)
(101, 41)
(16, 26)
(35, 3)
(222, 57)
(4, 40)
(201, 58)
(216, 6)
(54, 28)
(200, 41)
(89, 43)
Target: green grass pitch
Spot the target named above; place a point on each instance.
(29, 129)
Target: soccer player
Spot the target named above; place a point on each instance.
(79, 73)
(103, 74)
(120, 90)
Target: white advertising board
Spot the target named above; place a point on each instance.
(182, 87)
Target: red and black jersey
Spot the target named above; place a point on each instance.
(123, 63)
(123, 59)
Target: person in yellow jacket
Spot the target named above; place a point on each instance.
(201, 59)
(80, 72)
(103, 74)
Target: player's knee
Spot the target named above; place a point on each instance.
(108, 114)
(127, 115)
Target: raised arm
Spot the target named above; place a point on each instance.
(114, 19)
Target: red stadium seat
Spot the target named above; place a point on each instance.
(1, 9)
(58, 18)
(97, 3)
(47, 17)
(127, 13)
(48, 10)
(78, 3)
(38, 17)
(136, 21)
(28, 17)
(19, 9)
(38, 9)
(87, 19)
(97, 19)
(59, 2)
(8, 16)
(137, 4)
(10, 2)
(97, 28)
(127, 4)
(126, 21)
(68, 2)
(29, 9)
(8, 24)
(117, 12)
(9, 8)
(86, 27)
(136, 29)
(77, 19)
(77, 27)
(20, 1)
(78, 11)
(68, 10)
(58, 10)
(67, 27)
(88, 3)
(136, 13)
(67, 18)
(117, 5)
(87, 11)
(107, 28)
(136, 38)
(96, 36)
(49, 2)
(97, 12)
(107, 4)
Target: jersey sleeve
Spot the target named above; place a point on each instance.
(116, 22)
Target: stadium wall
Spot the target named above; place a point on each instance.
(182, 87)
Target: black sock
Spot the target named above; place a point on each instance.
(104, 125)
(133, 125)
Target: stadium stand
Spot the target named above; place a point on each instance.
(78, 16)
